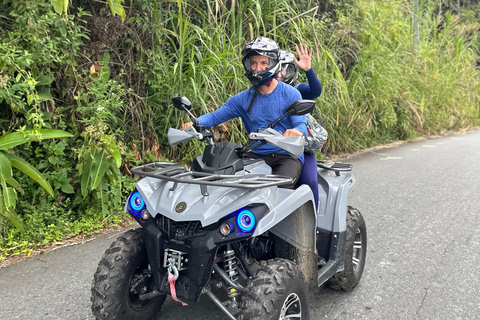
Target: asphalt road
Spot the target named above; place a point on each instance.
(421, 204)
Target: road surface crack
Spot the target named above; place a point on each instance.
(423, 300)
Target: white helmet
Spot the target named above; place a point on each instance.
(264, 47)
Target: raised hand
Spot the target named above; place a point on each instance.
(304, 61)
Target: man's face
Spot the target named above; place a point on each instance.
(281, 75)
(259, 63)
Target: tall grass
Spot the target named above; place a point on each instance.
(378, 86)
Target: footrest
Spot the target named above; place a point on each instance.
(334, 166)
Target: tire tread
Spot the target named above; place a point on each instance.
(346, 280)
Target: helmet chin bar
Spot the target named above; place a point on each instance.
(259, 79)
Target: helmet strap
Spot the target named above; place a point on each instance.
(253, 100)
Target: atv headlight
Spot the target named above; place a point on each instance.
(136, 202)
(245, 220)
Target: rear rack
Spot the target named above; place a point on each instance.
(177, 173)
(334, 166)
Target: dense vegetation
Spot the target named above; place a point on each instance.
(391, 70)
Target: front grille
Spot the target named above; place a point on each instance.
(180, 230)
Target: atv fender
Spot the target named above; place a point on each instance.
(293, 220)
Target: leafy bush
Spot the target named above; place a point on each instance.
(8, 194)
(109, 80)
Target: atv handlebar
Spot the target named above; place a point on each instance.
(294, 145)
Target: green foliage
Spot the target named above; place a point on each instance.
(98, 166)
(8, 195)
(60, 6)
(34, 40)
(52, 160)
(116, 8)
(101, 99)
(49, 223)
(110, 81)
(392, 91)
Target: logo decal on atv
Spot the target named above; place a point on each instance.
(180, 207)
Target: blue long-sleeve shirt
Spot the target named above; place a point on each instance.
(312, 89)
(265, 109)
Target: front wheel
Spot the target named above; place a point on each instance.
(122, 276)
(355, 253)
(278, 291)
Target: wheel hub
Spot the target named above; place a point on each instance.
(357, 249)
(292, 308)
(140, 283)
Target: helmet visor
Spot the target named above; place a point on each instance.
(260, 60)
(259, 63)
(290, 70)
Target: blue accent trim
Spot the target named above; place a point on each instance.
(136, 203)
(245, 220)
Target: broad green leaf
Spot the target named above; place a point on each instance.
(116, 8)
(67, 188)
(30, 171)
(15, 184)
(29, 99)
(10, 197)
(53, 160)
(20, 86)
(54, 134)
(86, 169)
(110, 176)
(14, 139)
(58, 5)
(110, 142)
(44, 94)
(101, 166)
(104, 59)
(45, 80)
(115, 173)
(65, 6)
(12, 216)
(47, 115)
(5, 168)
(100, 195)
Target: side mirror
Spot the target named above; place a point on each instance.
(182, 103)
(301, 107)
(297, 108)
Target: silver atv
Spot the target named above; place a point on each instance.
(226, 229)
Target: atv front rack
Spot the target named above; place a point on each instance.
(177, 173)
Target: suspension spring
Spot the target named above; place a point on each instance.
(230, 268)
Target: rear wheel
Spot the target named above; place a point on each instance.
(355, 253)
(278, 291)
(122, 276)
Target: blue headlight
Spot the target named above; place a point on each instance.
(245, 220)
(136, 202)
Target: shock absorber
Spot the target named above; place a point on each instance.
(230, 268)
